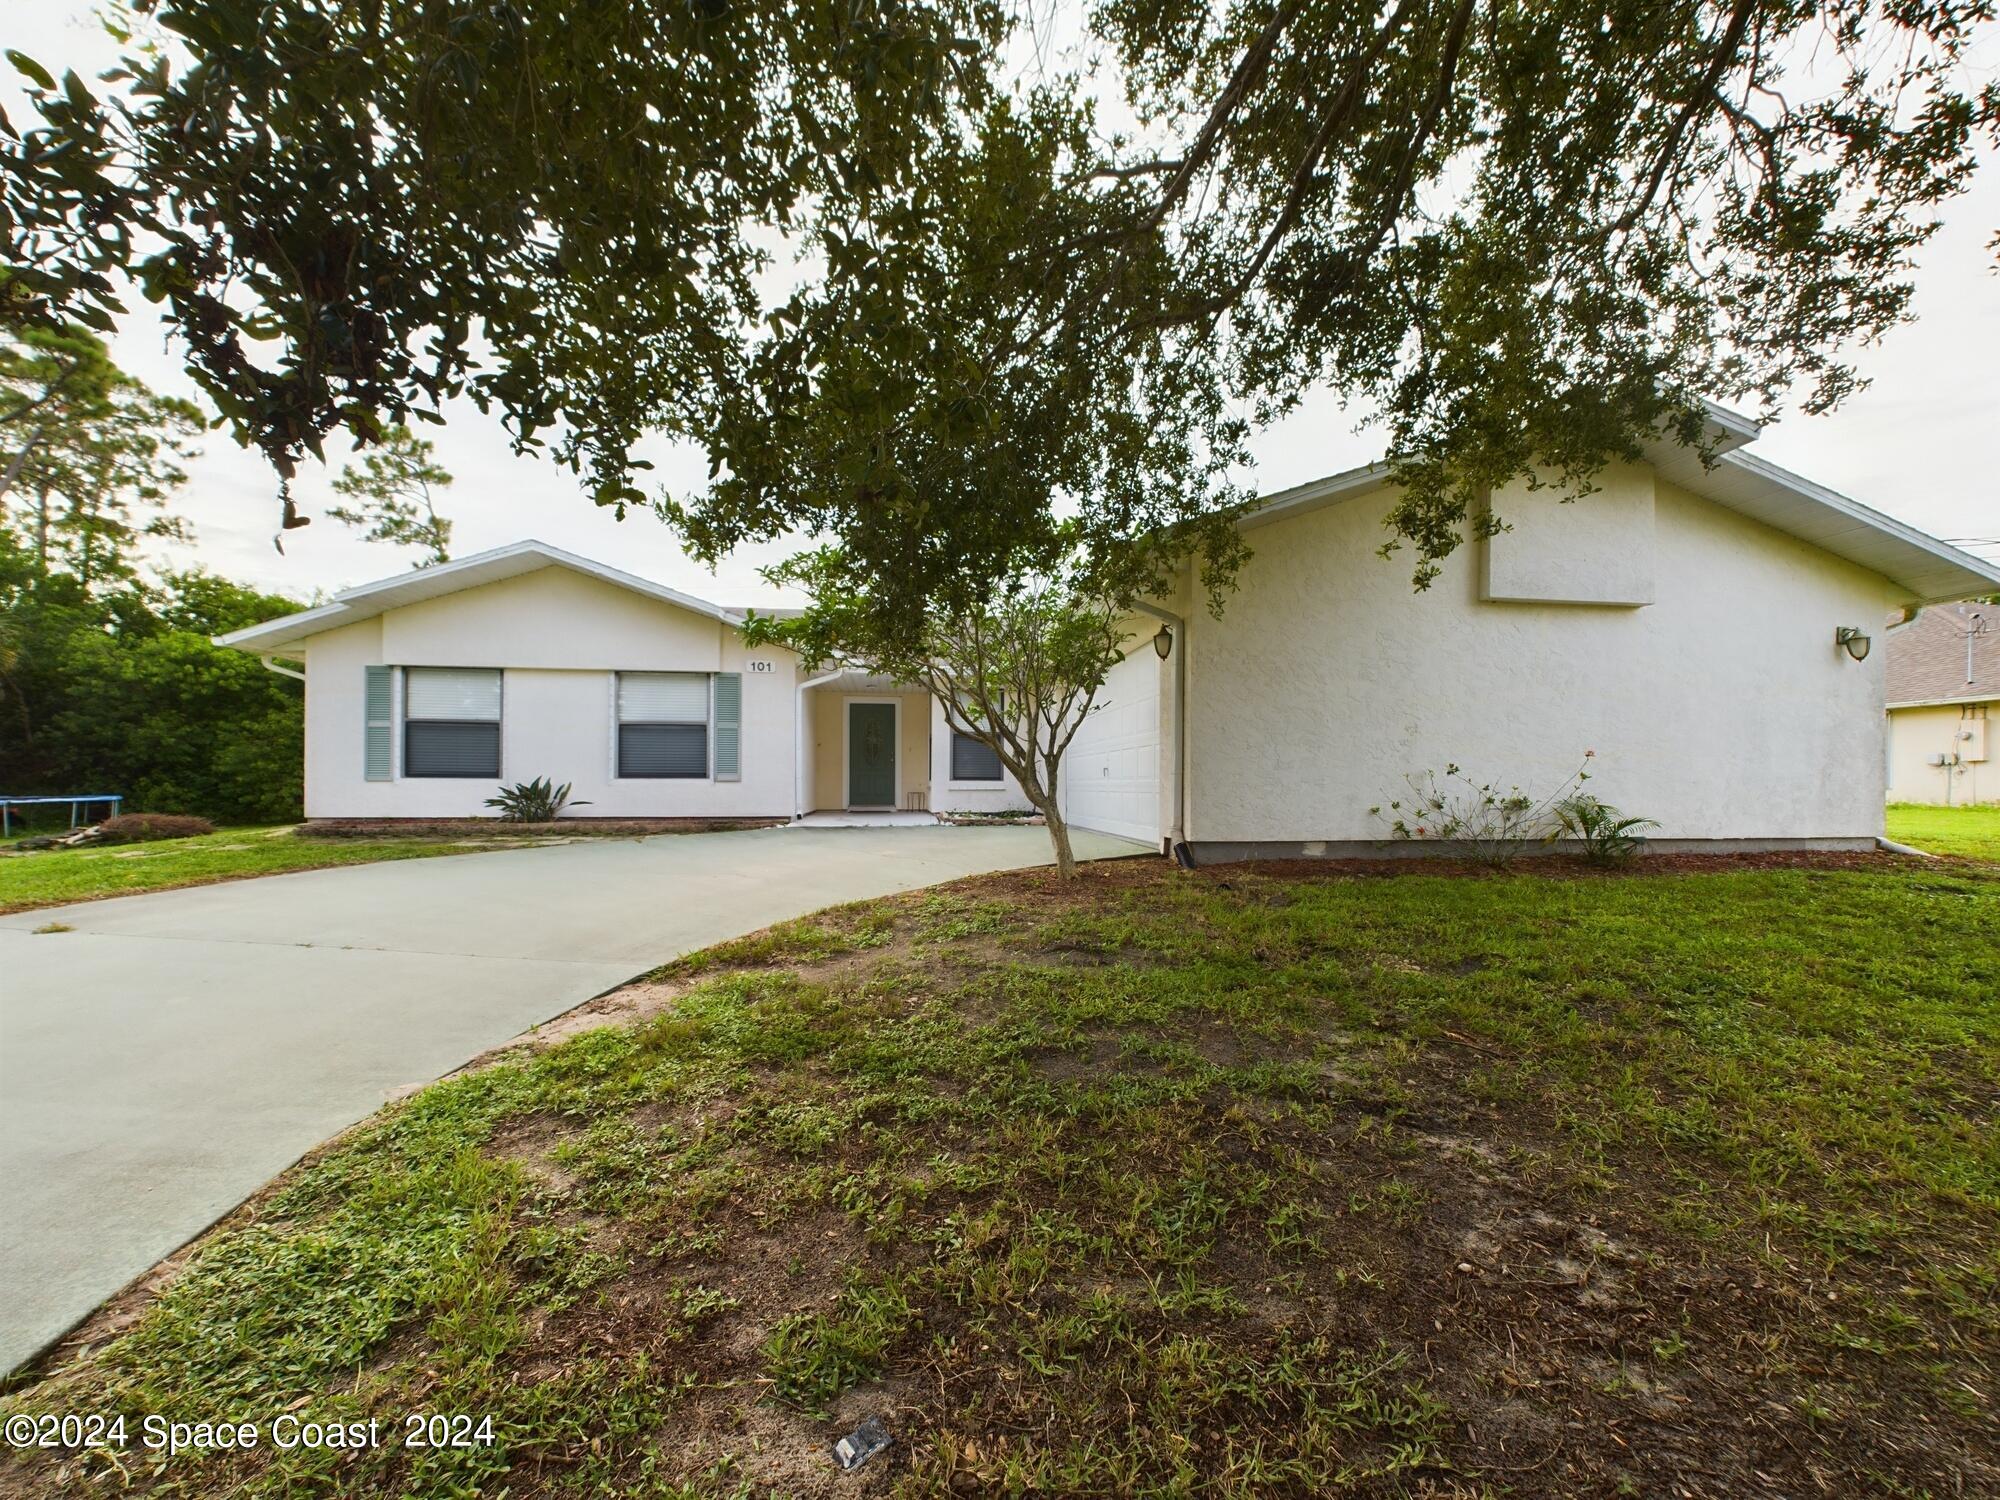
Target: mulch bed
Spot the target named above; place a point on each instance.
(1560, 866)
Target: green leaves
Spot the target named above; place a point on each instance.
(129, 695)
(537, 801)
(366, 210)
(35, 72)
(1524, 236)
(1544, 234)
(88, 456)
(392, 490)
(972, 395)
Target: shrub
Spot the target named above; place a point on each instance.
(1607, 837)
(168, 719)
(142, 828)
(1491, 824)
(537, 801)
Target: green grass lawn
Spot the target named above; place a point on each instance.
(1222, 1184)
(56, 876)
(1970, 832)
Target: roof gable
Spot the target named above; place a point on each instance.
(368, 600)
(1926, 569)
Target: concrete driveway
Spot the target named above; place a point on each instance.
(176, 1051)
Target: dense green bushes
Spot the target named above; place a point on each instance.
(122, 692)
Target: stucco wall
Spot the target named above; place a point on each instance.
(1917, 734)
(558, 637)
(553, 618)
(964, 796)
(826, 712)
(1723, 709)
(1559, 548)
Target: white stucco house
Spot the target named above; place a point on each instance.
(427, 691)
(1696, 627)
(1943, 685)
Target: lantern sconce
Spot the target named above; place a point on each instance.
(1163, 643)
(1853, 640)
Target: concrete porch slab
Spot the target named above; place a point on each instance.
(865, 820)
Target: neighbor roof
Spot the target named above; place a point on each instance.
(1926, 660)
(1925, 568)
(371, 599)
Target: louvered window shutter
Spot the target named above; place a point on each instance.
(376, 697)
(728, 726)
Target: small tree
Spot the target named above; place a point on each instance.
(1020, 675)
(392, 490)
(1000, 476)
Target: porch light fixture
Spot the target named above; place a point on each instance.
(1163, 643)
(1852, 640)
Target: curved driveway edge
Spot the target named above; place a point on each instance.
(177, 1050)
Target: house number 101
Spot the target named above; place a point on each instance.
(760, 666)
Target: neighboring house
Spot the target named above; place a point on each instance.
(1681, 622)
(1943, 684)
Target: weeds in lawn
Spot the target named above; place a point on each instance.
(1169, 1184)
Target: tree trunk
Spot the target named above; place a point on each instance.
(42, 538)
(20, 460)
(1059, 836)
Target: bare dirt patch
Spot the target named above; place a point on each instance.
(1323, 1229)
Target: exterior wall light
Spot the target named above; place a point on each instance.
(1163, 644)
(1853, 641)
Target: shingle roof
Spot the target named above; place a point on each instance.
(1926, 659)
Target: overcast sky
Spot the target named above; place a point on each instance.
(1921, 443)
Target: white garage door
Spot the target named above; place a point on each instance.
(1111, 777)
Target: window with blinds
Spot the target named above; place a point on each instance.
(973, 760)
(662, 724)
(451, 721)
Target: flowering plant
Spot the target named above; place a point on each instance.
(1494, 824)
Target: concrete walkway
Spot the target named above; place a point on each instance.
(176, 1051)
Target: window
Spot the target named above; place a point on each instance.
(663, 724)
(451, 721)
(971, 760)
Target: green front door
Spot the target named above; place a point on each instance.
(871, 755)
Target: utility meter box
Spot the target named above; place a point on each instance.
(1972, 737)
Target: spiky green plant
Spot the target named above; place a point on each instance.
(537, 801)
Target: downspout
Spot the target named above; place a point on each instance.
(799, 749)
(271, 665)
(1177, 844)
(1890, 846)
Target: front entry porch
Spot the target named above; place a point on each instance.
(877, 753)
(866, 751)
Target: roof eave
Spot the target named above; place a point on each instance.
(1312, 495)
(1924, 569)
(1928, 558)
(1953, 702)
(285, 630)
(368, 600)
